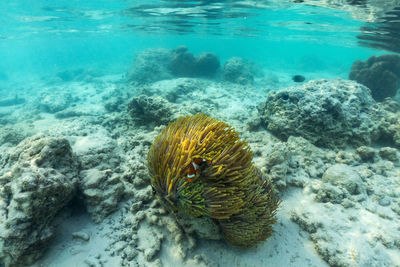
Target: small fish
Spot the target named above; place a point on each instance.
(194, 168)
(298, 78)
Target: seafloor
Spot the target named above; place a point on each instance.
(76, 191)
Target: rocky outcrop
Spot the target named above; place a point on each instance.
(38, 178)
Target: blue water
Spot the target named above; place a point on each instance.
(43, 37)
(45, 45)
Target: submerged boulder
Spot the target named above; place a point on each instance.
(100, 174)
(238, 70)
(149, 66)
(38, 178)
(153, 65)
(389, 122)
(329, 113)
(146, 110)
(380, 74)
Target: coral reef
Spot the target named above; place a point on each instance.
(100, 175)
(152, 65)
(207, 64)
(227, 188)
(346, 191)
(339, 181)
(238, 70)
(380, 74)
(321, 109)
(333, 195)
(53, 102)
(147, 110)
(389, 122)
(11, 135)
(37, 179)
(149, 66)
(185, 64)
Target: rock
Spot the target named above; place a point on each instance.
(389, 122)
(81, 235)
(329, 193)
(388, 153)
(276, 164)
(153, 65)
(207, 64)
(149, 66)
(344, 177)
(380, 74)
(366, 153)
(55, 102)
(38, 179)
(238, 70)
(329, 113)
(102, 191)
(11, 135)
(100, 175)
(183, 63)
(146, 110)
(202, 226)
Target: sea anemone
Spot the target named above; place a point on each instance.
(200, 166)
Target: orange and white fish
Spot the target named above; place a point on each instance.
(194, 168)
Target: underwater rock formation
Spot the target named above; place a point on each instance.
(52, 102)
(146, 110)
(389, 121)
(238, 70)
(380, 74)
(199, 166)
(343, 195)
(150, 65)
(344, 178)
(100, 175)
(153, 65)
(207, 64)
(11, 135)
(327, 113)
(37, 179)
(184, 64)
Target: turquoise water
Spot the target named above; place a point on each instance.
(83, 97)
(43, 37)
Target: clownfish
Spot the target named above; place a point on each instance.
(194, 168)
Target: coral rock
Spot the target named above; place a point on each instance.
(344, 177)
(100, 175)
(380, 74)
(39, 178)
(149, 66)
(154, 65)
(327, 113)
(238, 70)
(150, 110)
